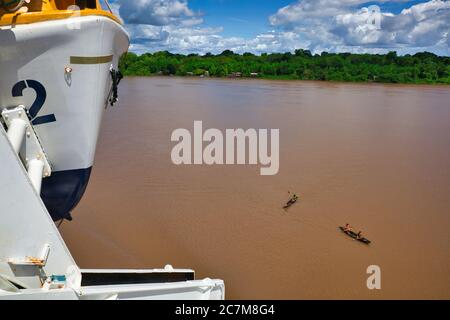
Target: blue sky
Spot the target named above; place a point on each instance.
(258, 26)
(244, 18)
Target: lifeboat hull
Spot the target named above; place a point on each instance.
(61, 72)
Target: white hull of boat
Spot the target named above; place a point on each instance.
(66, 107)
(41, 52)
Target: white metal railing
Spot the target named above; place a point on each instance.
(26, 144)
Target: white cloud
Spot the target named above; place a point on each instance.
(338, 25)
(203, 40)
(318, 25)
(157, 12)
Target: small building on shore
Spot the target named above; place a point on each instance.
(235, 75)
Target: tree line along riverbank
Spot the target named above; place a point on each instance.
(420, 68)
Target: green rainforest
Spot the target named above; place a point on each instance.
(420, 68)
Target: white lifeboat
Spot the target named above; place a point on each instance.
(59, 59)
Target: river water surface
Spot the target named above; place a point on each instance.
(375, 156)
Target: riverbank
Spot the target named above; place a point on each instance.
(292, 79)
(421, 68)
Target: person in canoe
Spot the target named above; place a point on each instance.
(294, 199)
(348, 228)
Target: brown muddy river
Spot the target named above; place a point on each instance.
(375, 156)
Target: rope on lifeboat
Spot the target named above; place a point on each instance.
(116, 77)
(6, 5)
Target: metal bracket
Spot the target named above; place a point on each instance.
(26, 143)
(31, 261)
